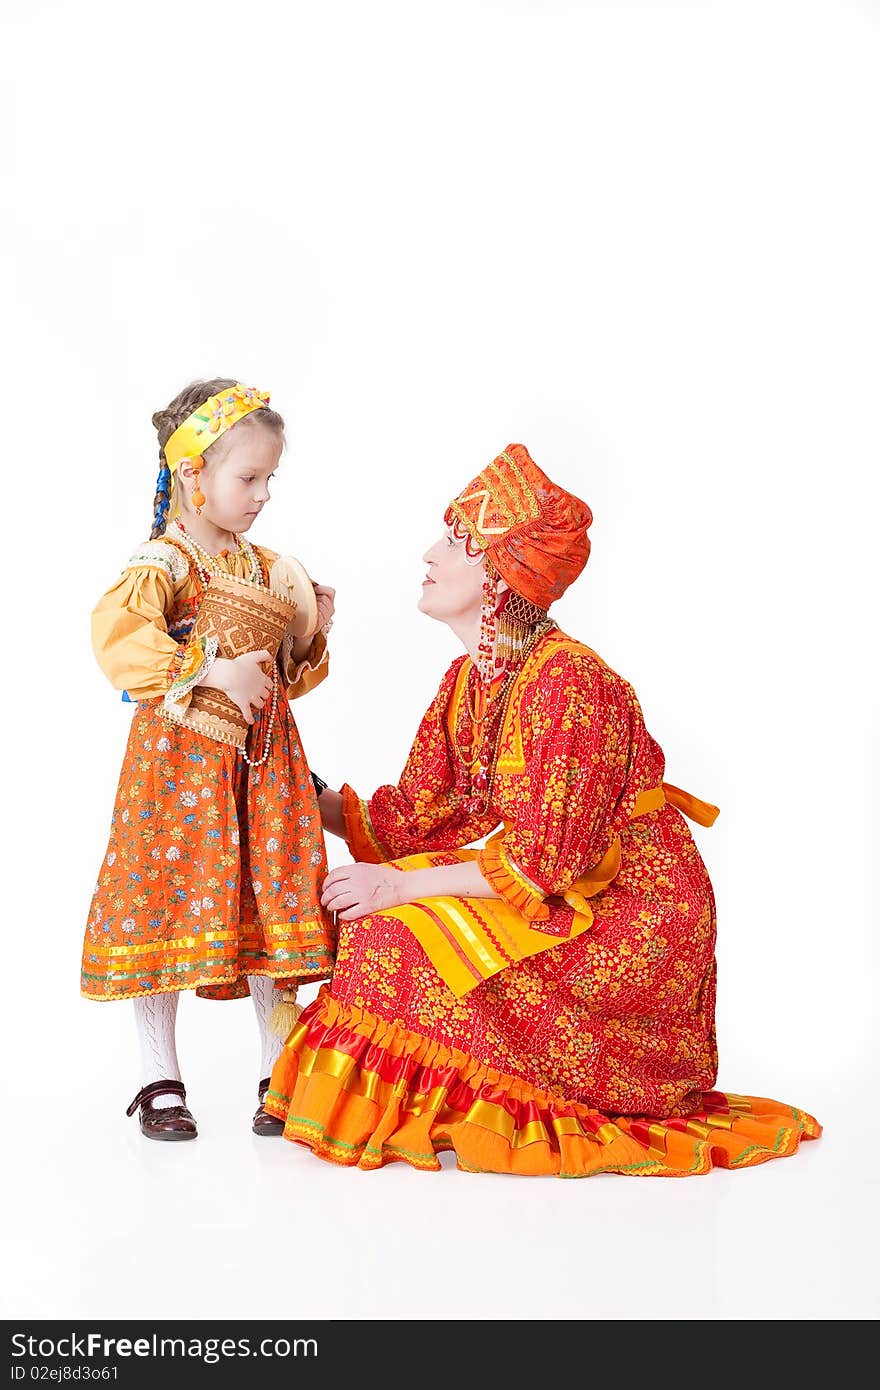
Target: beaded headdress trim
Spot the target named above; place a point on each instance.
(211, 419)
(498, 499)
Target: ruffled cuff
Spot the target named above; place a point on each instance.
(302, 676)
(510, 883)
(195, 661)
(360, 836)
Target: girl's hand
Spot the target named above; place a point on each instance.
(326, 606)
(244, 681)
(357, 889)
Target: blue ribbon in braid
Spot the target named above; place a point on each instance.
(160, 517)
(163, 497)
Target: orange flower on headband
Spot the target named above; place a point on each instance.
(213, 417)
(534, 532)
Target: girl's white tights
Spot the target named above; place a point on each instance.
(265, 999)
(156, 1015)
(156, 1018)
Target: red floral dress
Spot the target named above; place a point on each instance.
(513, 1029)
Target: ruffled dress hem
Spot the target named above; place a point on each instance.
(363, 1092)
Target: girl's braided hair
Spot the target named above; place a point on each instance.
(166, 422)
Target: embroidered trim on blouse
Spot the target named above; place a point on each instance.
(362, 840)
(306, 664)
(509, 881)
(160, 555)
(198, 659)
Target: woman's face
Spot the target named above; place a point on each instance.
(453, 588)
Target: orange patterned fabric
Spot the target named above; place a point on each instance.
(534, 532)
(362, 1091)
(213, 869)
(531, 1070)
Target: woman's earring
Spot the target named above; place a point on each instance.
(198, 497)
(517, 621)
(488, 630)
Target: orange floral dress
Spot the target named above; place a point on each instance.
(213, 868)
(566, 1026)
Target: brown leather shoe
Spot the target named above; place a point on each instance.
(171, 1124)
(265, 1125)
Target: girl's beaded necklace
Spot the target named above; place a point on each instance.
(204, 561)
(205, 565)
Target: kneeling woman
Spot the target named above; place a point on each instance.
(544, 1004)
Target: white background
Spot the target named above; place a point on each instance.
(642, 239)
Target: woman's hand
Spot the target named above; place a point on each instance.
(243, 679)
(357, 889)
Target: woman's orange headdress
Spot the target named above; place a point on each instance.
(534, 532)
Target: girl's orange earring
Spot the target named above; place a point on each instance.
(198, 497)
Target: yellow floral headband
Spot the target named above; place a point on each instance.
(211, 419)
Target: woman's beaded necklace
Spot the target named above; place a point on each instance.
(484, 780)
(205, 565)
(490, 704)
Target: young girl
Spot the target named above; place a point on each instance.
(212, 876)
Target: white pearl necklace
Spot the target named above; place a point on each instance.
(205, 566)
(258, 762)
(205, 563)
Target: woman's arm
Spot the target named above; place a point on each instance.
(330, 806)
(580, 729)
(356, 889)
(428, 809)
